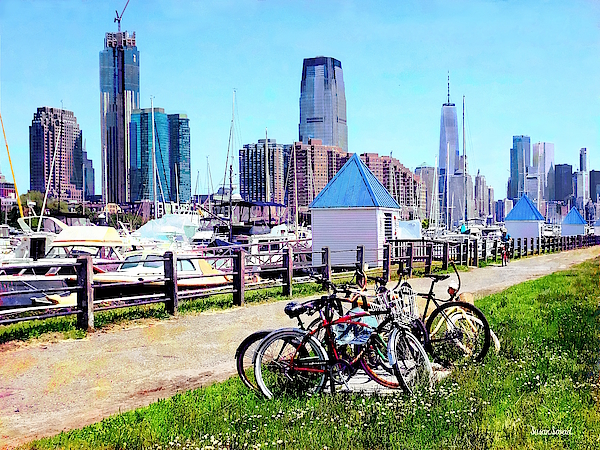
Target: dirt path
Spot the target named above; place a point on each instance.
(47, 387)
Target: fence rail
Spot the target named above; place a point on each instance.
(289, 265)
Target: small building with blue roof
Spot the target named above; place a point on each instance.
(573, 224)
(524, 220)
(353, 209)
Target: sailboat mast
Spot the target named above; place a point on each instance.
(465, 163)
(154, 171)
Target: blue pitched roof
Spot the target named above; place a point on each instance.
(354, 186)
(573, 218)
(524, 210)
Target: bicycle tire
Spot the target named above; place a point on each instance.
(288, 362)
(452, 341)
(244, 357)
(411, 364)
(375, 362)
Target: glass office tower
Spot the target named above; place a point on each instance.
(179, 156)
(141, 155)
(323, 102)
(520, 164)
(119, 96)
(448, 155)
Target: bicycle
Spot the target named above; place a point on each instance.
(292, 361)
(244, 354)
(455, 330)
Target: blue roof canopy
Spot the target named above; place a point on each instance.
(573, 218)
(524, 210)
(354, 186)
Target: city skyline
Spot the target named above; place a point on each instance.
(395, 60)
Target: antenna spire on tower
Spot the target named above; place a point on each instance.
(448, 86)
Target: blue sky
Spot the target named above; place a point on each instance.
(525, 67)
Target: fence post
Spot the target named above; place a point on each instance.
(410, 254)
(360, 256)
(171, 290)
(326, 261)
(446, 256)
(85, 294)
(428, 256)
(239, 270)
(484, 250)
(525, 246)
(288, 265)
(476, 253)
(387, 260)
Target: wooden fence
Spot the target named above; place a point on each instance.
(290, 267)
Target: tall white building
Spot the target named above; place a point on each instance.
(543, 168)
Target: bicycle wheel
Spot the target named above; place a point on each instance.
(288, 362)
(376, 364)
(410, 362)
(454, 335)
(244, 357)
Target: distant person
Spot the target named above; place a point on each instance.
(505, 242)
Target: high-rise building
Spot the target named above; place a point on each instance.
(141, 164)
(119, 96)
(563, 182)
(311, 166)
(427, 175)
(594, 185)
(490, 205)
(481, 196)
(89, 176)
(520, 162)
(543, 166)
(583, 159)
(56, 130)
(255, 185)
(179, 157)
(323, 102)
(448, 155)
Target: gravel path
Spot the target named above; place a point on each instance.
(54, 385)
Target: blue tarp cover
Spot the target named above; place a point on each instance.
(524, 210)
(573, 218)
(354, 186)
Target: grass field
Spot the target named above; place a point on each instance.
(541, 391)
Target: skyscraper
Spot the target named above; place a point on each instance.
(89, 177)
(448, 152)
(543, 167)
(594, 185)
(179, 157)
(583, 159)
(67, 173)
(563, 185)
(141, 164)
(311, 167)
(520, 162)
(119, 96)
(323, 102)
(253, 168)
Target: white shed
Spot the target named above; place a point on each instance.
(524, 220)
(573, 224)
(353, 209)
(597, 227)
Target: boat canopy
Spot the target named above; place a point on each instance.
(88, 237)
(168, 227)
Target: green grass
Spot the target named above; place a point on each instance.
(545, 378)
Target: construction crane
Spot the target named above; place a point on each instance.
(119, 17)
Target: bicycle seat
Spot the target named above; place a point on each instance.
(293, 309)
(437, 277)
(381, 281)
